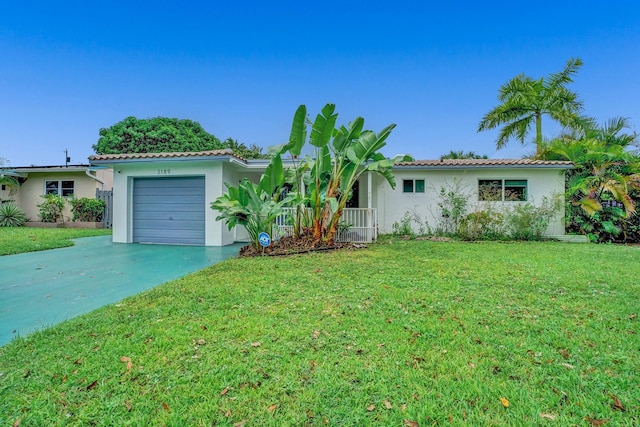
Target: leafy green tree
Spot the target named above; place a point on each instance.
(240, 149)
(463, 155)
(9, 182)
(155, 135)
(603, 187)
(524, 100)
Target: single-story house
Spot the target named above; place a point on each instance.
(166, 197)
(81, 180)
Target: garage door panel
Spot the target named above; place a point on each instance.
(169, 210)
(168, 224)
(173, 199)
(152, 215)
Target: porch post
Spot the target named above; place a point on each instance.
(370, 224)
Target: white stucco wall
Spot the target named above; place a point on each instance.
(124, 174)
(392, 204)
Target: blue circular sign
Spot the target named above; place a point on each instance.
(264, 239)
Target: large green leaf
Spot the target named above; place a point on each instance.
(324, 126)
(298, 134)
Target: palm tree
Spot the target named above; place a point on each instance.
(523, 102)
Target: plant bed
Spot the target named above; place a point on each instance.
(292, 246)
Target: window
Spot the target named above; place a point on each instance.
(509, 190)
(413, 185)
(63, 188)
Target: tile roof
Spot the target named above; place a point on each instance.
(133, 156)
(485, 162)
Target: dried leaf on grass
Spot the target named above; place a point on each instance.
(127, 360)
(165, 406)
(504, 402)
(371, 408)
(595, 422)
(387, 404)
(17, 423)
(128, 406)
(256, 344)
(240, 423)
(273, 407)
(411, 423)
(617, 404)
(547, 416)
(225, 391)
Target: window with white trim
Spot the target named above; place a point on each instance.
(413, 185)
(62, 188)
(502, 190)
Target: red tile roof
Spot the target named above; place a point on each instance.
(485, 162)
(131, 156)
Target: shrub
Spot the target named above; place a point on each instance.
(86, 209)
(529, 222)
(487, 224)
(51, 208)
(453, 208)
(404, 227)
(11, 215)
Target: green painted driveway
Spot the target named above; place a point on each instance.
(40, 289)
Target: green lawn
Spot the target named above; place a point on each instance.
(15, 240)
(404, 333)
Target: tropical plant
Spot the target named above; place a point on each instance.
(51, 208)
(240, 149)
(341, 156)
(603, 187)
(528, 221)
(10, 182)
(461, 154)
(453, 208)
(86, 209)
(255, 206)
(523, 102)
(11, 215)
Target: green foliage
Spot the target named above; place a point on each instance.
(86, 209)
(11, 215)
(155, 135)
(603, 188)
(441, 331)
(254, 206)
(486, 224)
(10, 182)
(240, 149)
(405, 226)
(463, 155)
(453, 208)
(51, 208)
(523, 102)
(529, 222)
(341, 156)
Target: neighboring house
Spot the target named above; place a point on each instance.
(68, 181)
(166, 197)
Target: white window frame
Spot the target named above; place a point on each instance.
(60, 190)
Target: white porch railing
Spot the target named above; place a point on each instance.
(357, 225)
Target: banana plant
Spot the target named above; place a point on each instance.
(255, 206)
(341, 157)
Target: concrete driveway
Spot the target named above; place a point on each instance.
(40, 289)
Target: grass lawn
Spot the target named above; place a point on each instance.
(404, 333)
(16, 240)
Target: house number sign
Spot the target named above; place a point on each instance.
(163, 171)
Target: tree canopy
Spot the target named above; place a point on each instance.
(461, 154)
(164, 135)
(155, 135)
(523, 102)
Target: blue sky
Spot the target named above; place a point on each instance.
(242, 68)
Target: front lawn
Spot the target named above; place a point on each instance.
(404, 333)
(15, 240)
